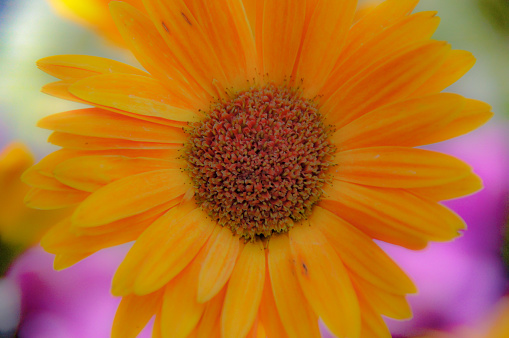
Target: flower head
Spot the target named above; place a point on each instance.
(255, 161)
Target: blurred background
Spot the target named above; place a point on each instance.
(462, 284)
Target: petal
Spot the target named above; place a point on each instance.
(323, 41)
(410, 123)
(36, 179)
(372, 324)
(151, 50)
(398, 167)
(244, 292)
(268, 313)
(50, 200)
(181, 311)
(163, 251)
(218, 264)
(374, 22)
(387, 303)
(392, 215)
(283, 23)
(384, 82)
(360, 254)
(71, 68)
(63, 261)
(78, 142)
(296, 315)
(412, 29)
(189, 43)
(457, 64)
(325, 281)
(97, 122)
(129, 196)
(210, 323)
(89, 173)
(466, 186)
(133, 314)
(137, 94)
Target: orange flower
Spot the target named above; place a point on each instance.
(255, 161)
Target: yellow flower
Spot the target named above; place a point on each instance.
(94, 14)
(20, 226)
(267, 145)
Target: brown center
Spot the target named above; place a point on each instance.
(259, 160)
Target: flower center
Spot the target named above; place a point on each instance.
(259, 160)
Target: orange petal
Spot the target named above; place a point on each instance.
(34, 178)
(63, 261)
(210, 323)
(372, 324)
(78, 142)
(323, 42)
(50, 200)
(385, 82)
(129, 196)
(283, 23)
(268, 313)
(150, 49)
(412, 29)
(188, 42)
(374, 22)
(392, 215)
(325, 281)
(360, 254)
(133, 314)
(410, 122)
(296, 315)
(218, 264)
(137, 94)
(89, 173)
(100, 123)
(464, 187)
(473, 115)
(398, 167)
(244, 292)
(457, 64)
(71, 68)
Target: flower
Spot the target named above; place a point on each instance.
(93, 14)
(255, 161)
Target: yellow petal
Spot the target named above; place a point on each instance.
(89, 173)
(325, 281)
(218, 264)
(296, 315)
(457, 64)
(71, 68)
(410, 123)
(100, 123)
(181, 311)
(34, 178)
(283, 23)
(137, 94)
(133, 314)
(372, 324)
(392, 215)
(129, 196)
(385, 82)
(387, 303)
(398, 167)
(244, 292)
(50, 200)
(360, 254)
(464, 187)
(63, 261)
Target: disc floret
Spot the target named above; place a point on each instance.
(258, 161)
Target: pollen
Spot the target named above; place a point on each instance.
(258, 161)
